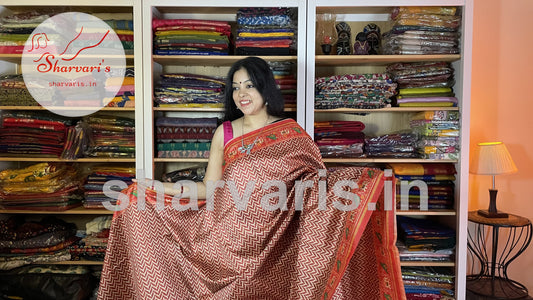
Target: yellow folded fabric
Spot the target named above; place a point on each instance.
(432, 10)
(417, 169)
(124, 31)
(111, 81)
(426, 104)
(33, 173)
(270, 34)
(416, 91)
(407, 169)
(187, 32)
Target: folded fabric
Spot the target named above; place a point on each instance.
(173, 22)
(423, 168)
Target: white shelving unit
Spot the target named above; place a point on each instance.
(9, 64)
(148, 67)
(389, 120)
(154, 65)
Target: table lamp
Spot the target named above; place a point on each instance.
(492, 158)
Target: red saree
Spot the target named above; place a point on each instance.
(238, 250)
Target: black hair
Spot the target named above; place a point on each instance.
(263, 79)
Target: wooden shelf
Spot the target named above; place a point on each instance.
(387, 160)
(75, 211)
(164, 160)
(427, 264)
(12, 58)
(66, 108)
(95, 5)
(16, 58)
(377, 60)
(385, 109)
(73, 262)
(201, 109)
(190, 109)
(431, 212)
(55, 159)
(210, 60)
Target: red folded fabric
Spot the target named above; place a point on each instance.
(156, 23)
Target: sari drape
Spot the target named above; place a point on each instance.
(301, 246)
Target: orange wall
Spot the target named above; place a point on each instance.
(502, 109)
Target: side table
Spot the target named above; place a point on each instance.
(493, 256)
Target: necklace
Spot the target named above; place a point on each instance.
(247, 148)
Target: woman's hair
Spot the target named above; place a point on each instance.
(263, 79)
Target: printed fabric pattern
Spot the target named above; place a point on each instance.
(236, 249)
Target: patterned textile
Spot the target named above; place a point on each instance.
(191, 37)
(32, 133)
(438, 134)
(25, 241)
(189, 90)
(423, 31)
(14, 91)
(111, 136)
(354, 91)
(266, 31)
(93, 187)
(54, 187)
(340, 138)
(259, 251)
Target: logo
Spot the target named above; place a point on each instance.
(73, 64)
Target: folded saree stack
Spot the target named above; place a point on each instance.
(438, 134)
(428, 283)
(284, 74)
(365, 91)
(184, 137)
(423, 84)
(196, 173)
(32, 133)
(424, 240)
(125, 96)
(93, 242)
(439, 179)
(189, 90)
(16, 28)
(394, 145)
(54, 187)
(266, 31)
(13, 91)
(111, 136)
(24, 242)
(122, 24)
(340, 138)
(93, 187)
(191, 37)
(423, 30)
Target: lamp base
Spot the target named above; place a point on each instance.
(492, 212)
(497, 214)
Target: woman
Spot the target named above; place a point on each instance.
(252, 101)
(277, 226)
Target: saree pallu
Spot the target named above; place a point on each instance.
(236, 249)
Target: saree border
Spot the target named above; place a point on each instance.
(384, 237)
(271, 134)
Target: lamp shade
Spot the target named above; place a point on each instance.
(491, 159)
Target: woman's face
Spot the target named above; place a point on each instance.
(246, 96)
